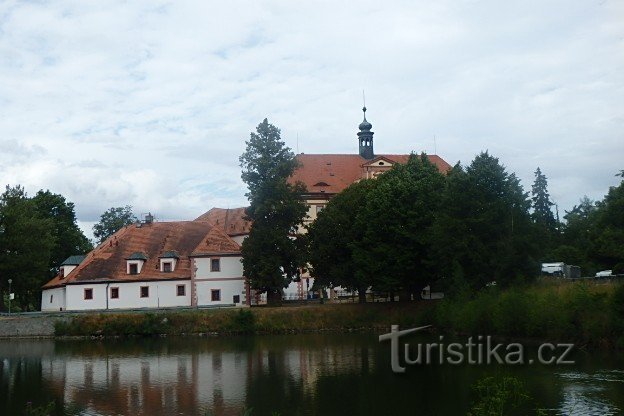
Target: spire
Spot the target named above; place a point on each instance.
(365, 137)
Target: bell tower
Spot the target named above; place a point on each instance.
(365, 137)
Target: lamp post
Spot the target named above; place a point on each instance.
(10, 281)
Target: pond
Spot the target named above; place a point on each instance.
(311, 374)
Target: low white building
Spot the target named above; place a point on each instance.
(152, 265)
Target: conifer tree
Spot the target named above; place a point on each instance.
(541, 203)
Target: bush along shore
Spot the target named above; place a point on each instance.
(588, 314)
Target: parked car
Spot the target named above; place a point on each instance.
(604, 273)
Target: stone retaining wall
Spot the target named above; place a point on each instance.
(28, 326)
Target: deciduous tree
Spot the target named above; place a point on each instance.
(112, 220)
(397, 222)
(272, 256)
(26, 244)
(332, 237)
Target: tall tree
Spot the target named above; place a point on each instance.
(272, 253)
(396, 249)
(541, 203)
(69, 238)
(113, 220)
(609, 242)
(484, 227)
(546, 227)
(331, 240)
(26, 244)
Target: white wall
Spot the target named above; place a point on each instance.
(58, 299)
(74, 295)
(230, 267)
(228, 288)
(239, 238)
(161, 294)
(67, 269)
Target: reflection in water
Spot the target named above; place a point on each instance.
(295, 375)
(584, 395)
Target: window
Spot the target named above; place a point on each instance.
(114, 293)
(145, 291)
(215, 265)
(88, 294)
(62, 272)
(167, 267)
(319, 208)
(181, 290)
(133, 269)
(236, 299)
(51, 298)
(215, 295)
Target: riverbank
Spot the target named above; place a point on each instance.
(588, 313)
(257, 320)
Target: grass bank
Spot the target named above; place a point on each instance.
(585, 313)
(582, 312)
(264, 320)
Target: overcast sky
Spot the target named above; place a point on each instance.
(150, 103)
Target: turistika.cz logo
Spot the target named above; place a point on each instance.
(477, 351)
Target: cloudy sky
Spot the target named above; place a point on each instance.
(150, 103)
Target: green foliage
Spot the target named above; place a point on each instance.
(26, 244)
(594, 233)
(332, 236)
(70, 240)
(395, 252)
(484, 227)
(264, 320)
(272, 256)
(585, 313)
(498, 396)
(617, 315)
(52, 408)
(541, 203)
(113, 220)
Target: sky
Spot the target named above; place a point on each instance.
(149, 103)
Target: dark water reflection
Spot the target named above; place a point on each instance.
(318, 374)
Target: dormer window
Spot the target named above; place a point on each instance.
(168, 261)
(69, 265)
(135, 263)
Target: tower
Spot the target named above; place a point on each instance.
(365, 136)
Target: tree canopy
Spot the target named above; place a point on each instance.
(36, 235)
(332, 237)
(113, 220)
(272, 253)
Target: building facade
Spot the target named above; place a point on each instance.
(152, 265)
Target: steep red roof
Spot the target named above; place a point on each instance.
(230, 220)
(108, 260)
(331, 174)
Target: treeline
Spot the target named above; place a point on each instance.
(467, 229)
(36, 235)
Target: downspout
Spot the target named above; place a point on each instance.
(193, 289)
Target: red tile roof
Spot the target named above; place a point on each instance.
(107, 262)
(332, 173)
(230, 220)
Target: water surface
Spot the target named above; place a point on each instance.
(316, 374)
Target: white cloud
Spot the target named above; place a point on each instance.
(149, 103)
